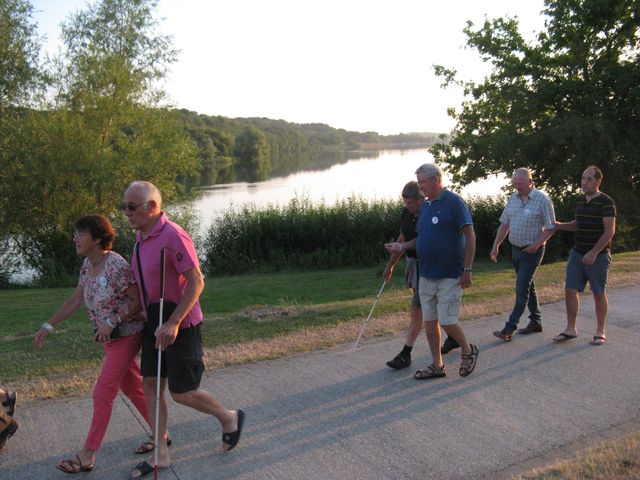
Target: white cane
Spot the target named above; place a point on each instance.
(364, 325)
(157, 419)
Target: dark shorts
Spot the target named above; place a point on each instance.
(578, 274)
(181, 362)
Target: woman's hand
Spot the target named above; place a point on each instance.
(40, 334)
(103, 334)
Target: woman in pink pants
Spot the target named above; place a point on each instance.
(107, 287)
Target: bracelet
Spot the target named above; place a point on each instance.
(47, 326)
(118, 317)
(110, 323)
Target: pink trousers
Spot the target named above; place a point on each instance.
(120, 371)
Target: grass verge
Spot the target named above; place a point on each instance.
(611, 460)
(250, 318)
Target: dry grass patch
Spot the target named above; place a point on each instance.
(77, 383)
(612, 460)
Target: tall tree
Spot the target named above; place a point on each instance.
(569, 99)
(19, 52)
(104, 129)
(20, 76)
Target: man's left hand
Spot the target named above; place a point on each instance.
(393, 247)
(589, 258)
(166, 334)
(465, 279)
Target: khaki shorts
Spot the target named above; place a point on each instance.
(440, 299)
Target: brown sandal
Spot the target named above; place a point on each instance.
(71, 466)
(430, 372)
(148, 446)
(469, 360)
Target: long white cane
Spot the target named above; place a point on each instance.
(364, 325)
(157, 419)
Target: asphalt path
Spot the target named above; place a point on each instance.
(336, 414)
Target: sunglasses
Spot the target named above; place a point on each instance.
(131, 206)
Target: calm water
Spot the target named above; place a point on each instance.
(376, 177)
(380, 177)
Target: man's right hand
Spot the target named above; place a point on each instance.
(388, 272)
(494, 255)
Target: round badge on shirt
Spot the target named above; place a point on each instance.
(102, 280)
(434, 220)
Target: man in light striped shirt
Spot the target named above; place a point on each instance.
(529, 220)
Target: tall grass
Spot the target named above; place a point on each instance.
(350, 232)
(301, 234)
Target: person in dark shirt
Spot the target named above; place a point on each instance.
(590, 257)
(412, 198)
(446, 245)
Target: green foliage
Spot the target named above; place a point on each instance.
(19, 51)
(301, 234)
(568, 100)
(252, 150)
(104, 130)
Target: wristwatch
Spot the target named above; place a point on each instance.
(466, 270)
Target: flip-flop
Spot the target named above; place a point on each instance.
(233, 438)
(563, 337)
(148, 446)
(598, 340)
(73, 466)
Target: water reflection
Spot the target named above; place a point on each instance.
(381, 175)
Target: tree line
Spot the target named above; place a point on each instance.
(252, 149)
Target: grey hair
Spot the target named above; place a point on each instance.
(522, 172)
(430, 170)
(149, 190)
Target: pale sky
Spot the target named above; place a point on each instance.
(363, 65)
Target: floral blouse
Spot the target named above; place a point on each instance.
(106, 292)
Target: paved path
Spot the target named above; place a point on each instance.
(335, 414)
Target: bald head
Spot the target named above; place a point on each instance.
(147, 192)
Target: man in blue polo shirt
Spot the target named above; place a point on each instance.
(446, 245)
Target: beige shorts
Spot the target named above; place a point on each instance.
(440, 299)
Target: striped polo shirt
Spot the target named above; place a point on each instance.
(590, 226)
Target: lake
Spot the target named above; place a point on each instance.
(379, 176)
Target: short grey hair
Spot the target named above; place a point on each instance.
(430, 170)
(522, 172)
(149, 190)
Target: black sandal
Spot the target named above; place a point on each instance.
(430, 372)
(231, 439)
(145, 468)
(469, 361)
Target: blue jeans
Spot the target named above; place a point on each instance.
(525, 265)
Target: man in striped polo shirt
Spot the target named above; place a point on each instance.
(529, 220)
(590, 257)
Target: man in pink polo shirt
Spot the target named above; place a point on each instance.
(180, 337)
